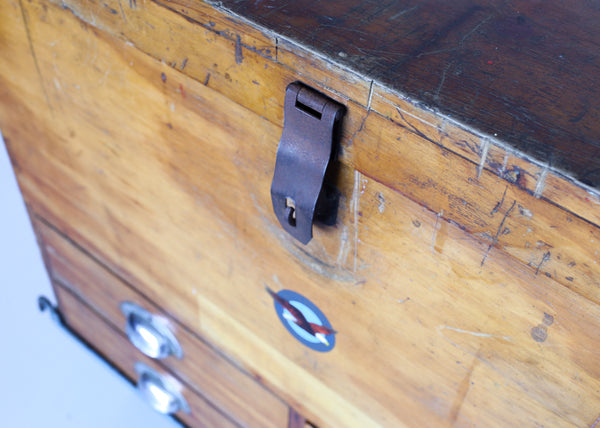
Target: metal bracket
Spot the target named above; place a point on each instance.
(308, 145)
(44, 304)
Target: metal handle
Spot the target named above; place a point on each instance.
(161, 392)
(149, 333)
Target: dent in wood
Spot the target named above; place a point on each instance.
(539, 333)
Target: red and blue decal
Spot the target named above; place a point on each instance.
(304, 320)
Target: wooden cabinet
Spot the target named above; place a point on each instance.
(461, 275)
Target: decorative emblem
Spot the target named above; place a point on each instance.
(304, 320)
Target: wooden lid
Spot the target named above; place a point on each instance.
(523, 72)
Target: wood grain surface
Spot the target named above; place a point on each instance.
(525, 71)
(549, 240)
(206, 372)
(122, 355)
(457, 185)
(230, 55)
(165, 181)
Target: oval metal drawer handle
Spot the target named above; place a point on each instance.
(160, 391)
(149, 333)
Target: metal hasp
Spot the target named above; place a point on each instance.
(307, 147)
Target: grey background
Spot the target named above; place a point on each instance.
(47, 378)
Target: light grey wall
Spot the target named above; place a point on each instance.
(47, 378)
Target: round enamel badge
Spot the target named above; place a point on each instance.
(304, 320)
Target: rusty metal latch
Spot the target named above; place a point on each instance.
(308, 144)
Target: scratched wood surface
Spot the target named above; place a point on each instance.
(526, 71)
(121, 153)
(469, 189)
(229, 56)
(209, 374)
(82, 319)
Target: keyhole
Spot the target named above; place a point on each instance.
(290, 210)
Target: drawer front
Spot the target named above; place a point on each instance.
(85, 322)
(207, 373)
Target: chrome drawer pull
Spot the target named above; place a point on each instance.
(160, 391)
(149, 333)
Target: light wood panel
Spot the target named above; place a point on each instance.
(209, 374)
(89, 326)
(172, 193)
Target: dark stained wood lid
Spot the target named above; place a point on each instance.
(523, 71)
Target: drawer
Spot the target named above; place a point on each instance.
(206, 372)
(86, 323)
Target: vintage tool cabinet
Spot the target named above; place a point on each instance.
(460, 274)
